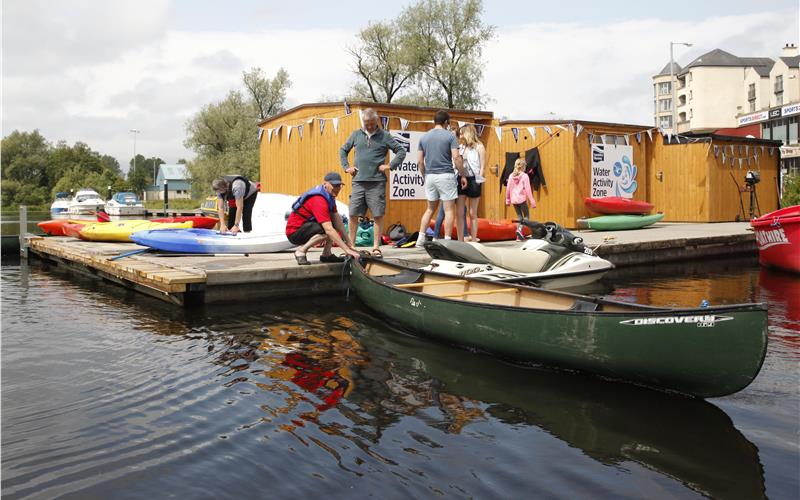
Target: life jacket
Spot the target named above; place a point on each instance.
(229, 193)
(315, 191)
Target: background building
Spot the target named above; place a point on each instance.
(179, 183)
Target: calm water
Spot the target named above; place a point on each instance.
(106, 393)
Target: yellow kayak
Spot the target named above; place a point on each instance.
(122, 230)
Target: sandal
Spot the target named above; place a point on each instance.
(331, 258)
(302, 260)
(376, 253)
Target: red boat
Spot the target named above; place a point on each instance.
(198, 221)
(778, 238)
(618, 205)
(492, 230)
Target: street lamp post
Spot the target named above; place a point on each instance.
(135, 132)
(154, 172)
(674, 126)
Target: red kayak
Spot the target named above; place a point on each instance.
(491, 230)
(618, 205)
(198, 221)
(56, 227)
(778, 238)
(70, 228)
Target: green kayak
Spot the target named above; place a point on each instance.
(705, 352)
(617, 222)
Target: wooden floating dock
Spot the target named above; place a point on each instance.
(205, 279)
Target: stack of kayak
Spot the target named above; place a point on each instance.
(618, 213)
(119, 230)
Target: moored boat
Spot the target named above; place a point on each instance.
(619, 222)
(125, 203)
(60, 206)
(617, 205)
(704, 352)
(778, 238)
(85, 202)
(207, 241)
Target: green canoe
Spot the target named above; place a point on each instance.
(617, 222)
(706, 352)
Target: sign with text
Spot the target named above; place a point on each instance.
(405, 182)
(613, 171)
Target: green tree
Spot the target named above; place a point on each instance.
(268, 95)
(382, 64)
(9, 190)
(110, 163)
(446, 38)
(791, 190)
(25, 158)
(139, 176)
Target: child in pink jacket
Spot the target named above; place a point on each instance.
(518, 193)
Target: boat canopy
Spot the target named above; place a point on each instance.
(126, 198)
(62, 194)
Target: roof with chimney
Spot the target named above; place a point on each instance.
(792, 62)
(720, 58)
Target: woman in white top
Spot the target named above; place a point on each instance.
(474, 154)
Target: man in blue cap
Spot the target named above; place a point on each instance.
(314, 219)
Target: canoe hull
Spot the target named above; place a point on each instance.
(121, 231)
(617, 205)
(778, 239)
(619, 222)
(206, 241)
(706, 352)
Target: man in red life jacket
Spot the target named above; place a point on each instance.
(314, 219)
(240, 195)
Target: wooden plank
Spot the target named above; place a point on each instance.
(429, 283)
(482, 292)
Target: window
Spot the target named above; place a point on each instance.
(665, 122)
(752, 106)
(793, 139)
(779, 130)
(690, 95)
(766, 131)
(779, 99)
(664, 88)
(751, 92)
(691, 114)
(665, 104)
(779, 84)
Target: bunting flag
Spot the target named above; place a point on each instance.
(335, 125)
(346, 108)
(740, 163)
(403, 124)
(562, 127)
(515, 131)
(669, 137)
(499, 132)
(771, 150)
(321, 125)
(602, 138)
(289, 131)
(571, 127)
(384, 122)
(716, 152)
(460, 123)
(723, 156)
(300, 131)
(747, 150)
(732, 161)
(755, 156)
(532, 131)
(260, 133)
(278, 131)
(627, 140)
(590, 136)
(762, 150)
(578, 131)
(740, 150)
(479, 128)
(650, 134)
(748, 161)
(731, 149)
(548, 130)
(638, 137)
(269, 135)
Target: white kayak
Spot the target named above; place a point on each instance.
(208, 241)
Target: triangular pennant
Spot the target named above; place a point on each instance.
(499, 132)
(260, 133)
(578, 131)
(269, 135)
(548, 130)
(278, 131)
(602, 138)
(403, 124)
(716, 151)
(638, 137)
(723, 156)
(747, 150)
(762, 150)
(650, 134)
(532, 131)
(289, 131)
(321, 125)
(740, 150)
(515, 131)
(669, 137)
(300, 131)
(771, 151)
(384, 122)
(627, 140)
(571, 127)
(460, 123)
(740, 163)
(335, 125)
(590, 136)
(479, 129)
(346, 108)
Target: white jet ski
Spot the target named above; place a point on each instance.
(554, 258)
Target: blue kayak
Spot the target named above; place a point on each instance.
(211, 241)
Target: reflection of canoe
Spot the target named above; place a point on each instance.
(706, 352)
(778, 238)
(122, 230)
(619, 222)
(617, 205)
(209, 241)
(491, 230)
(687, 439)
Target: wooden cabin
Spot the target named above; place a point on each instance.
(685, 179)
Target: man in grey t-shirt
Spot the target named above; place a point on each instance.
(438, 153)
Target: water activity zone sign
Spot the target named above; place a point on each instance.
(405, 182)
(613, 171)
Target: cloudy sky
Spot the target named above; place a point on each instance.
(91, 70)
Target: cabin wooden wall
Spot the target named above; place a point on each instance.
(693, 186)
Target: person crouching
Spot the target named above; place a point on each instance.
(314, 219)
